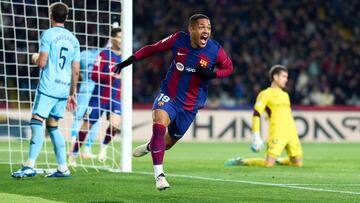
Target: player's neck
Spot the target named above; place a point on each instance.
(56, 24)
(116, 50)
(275, 86)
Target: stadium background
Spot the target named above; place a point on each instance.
(317, 40)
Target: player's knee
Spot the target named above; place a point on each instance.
(161, 117)
(51, 128)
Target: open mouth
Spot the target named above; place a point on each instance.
(204, 39)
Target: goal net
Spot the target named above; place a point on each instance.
(21, 25)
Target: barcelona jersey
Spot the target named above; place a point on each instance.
(181, 83)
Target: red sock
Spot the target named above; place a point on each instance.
(157, 143)
(109, 135)
(79, 141)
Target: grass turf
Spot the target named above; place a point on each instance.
(196, 173)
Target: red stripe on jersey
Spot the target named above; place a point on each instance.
(175, 76)
(192, 93)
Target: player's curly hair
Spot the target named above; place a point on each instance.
(59, 11)
(276, 69)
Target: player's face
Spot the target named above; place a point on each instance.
(281, 79)
(116, 41)
(200, 33)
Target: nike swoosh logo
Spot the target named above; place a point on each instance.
(180, 54)
(157, 151)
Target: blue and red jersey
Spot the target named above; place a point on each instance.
(181, 83)
(107, 86)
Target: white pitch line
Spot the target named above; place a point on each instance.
(254, 183)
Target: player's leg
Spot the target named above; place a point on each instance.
(274, 149)
(144, 149)
(92, 115)
(294, 151)
(40, 111)
(157, 145)
(114, 117)
(57, 139)
(82, 102)
(93, 131)
(115, 121)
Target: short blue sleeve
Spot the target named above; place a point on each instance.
(45, 42)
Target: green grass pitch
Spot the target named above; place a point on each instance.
(196, 173)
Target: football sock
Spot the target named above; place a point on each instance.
(158, 169)
(58, 142)
(36, 142)
(75, 127)
(254, 162)
(110, 133)
(92, 134)
(79, 141)
(157, 144)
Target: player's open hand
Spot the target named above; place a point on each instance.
(71, 103)
(204, 74)
(257, 144)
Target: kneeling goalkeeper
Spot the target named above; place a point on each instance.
(282, 130)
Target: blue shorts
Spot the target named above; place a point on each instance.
(96, 109)
(180, 118)
(45, 105)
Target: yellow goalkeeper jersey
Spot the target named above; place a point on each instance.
(276, 103)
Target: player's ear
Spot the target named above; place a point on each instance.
(189, 28)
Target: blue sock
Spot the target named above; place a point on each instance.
(75, 127)
(58, 142)
(92, 134)
(37, 138)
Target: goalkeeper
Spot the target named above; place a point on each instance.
(282, 131)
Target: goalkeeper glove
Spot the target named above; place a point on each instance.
(257, 143)
(123, 64)
(204, 74)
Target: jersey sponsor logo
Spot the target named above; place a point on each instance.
(188, 69)
(180, 66)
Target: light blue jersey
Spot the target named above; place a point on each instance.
(63, 48)
(87, 60)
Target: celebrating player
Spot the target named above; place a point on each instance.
(59, 63)
(105, 97)
(184, 89)
(283, 134)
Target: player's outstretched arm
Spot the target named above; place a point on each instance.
(125, 63)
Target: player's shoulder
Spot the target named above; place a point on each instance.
(214, 44)
(265, 92)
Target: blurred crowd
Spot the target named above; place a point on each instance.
(318, 40)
